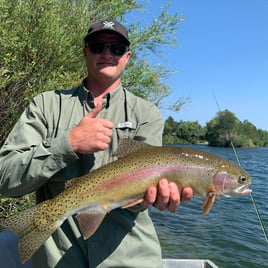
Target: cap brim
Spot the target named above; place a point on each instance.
(92, 35)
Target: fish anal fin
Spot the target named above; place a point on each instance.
(89, 222)
(209, 202)
(133, 203)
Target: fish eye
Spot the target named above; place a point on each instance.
(242, 179)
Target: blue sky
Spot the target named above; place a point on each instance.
(222, 51)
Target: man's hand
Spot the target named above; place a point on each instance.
(91, 134)
(166, 195)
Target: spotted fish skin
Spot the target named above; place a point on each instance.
(123, 183)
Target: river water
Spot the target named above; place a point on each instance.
(230, 235)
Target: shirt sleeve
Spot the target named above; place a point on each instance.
(30, 156)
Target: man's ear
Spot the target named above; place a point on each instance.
(84, 51)
(128, 55)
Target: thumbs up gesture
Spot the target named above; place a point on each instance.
(91, 134)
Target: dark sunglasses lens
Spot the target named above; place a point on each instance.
(96, 48)
(116, 49)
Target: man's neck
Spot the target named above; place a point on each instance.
(99, 90)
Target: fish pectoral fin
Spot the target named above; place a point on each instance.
(209, 202)
(89, 222)
(133, 203)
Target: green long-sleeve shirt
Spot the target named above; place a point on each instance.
(37, 157)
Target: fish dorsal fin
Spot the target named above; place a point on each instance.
(68, 184)
(89, 222)
(71, 182)
(128, 146)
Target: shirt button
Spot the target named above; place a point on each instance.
(46, 144)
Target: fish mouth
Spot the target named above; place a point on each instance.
(242, 190)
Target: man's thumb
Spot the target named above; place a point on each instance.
(95, 111)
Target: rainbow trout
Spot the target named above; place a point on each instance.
(123, 183)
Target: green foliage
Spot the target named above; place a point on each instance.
(182, 132)
(222, 130)
(256, 137)
(38, 38)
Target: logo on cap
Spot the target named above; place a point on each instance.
(108, 25)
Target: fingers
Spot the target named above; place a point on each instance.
(104, 123)
(150, 197)
(174, 197)
(187, 194)
(167, 196)
(163, 195)
(91, 134)
(95, 111)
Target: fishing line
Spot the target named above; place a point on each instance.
(251, 194)
(252, 199)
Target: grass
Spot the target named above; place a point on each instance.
(10, 206)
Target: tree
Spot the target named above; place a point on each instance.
(222, 130)
(263, 137)
(190, 132)
(43, 51)
(170, 131)
(182, 132)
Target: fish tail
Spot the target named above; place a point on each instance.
(32, 229)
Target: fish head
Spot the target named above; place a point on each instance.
(231, 180)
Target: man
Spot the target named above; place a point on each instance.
(66, 134)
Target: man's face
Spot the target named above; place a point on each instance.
(104, 59)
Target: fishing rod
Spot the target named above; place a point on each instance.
(251, 194)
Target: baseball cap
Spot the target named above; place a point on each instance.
(107, 25)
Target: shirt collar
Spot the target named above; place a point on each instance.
(110, 97)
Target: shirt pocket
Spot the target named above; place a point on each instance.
(126, 130)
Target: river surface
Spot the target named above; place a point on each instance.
(230, 235)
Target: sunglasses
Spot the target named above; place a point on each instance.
(116, 49)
